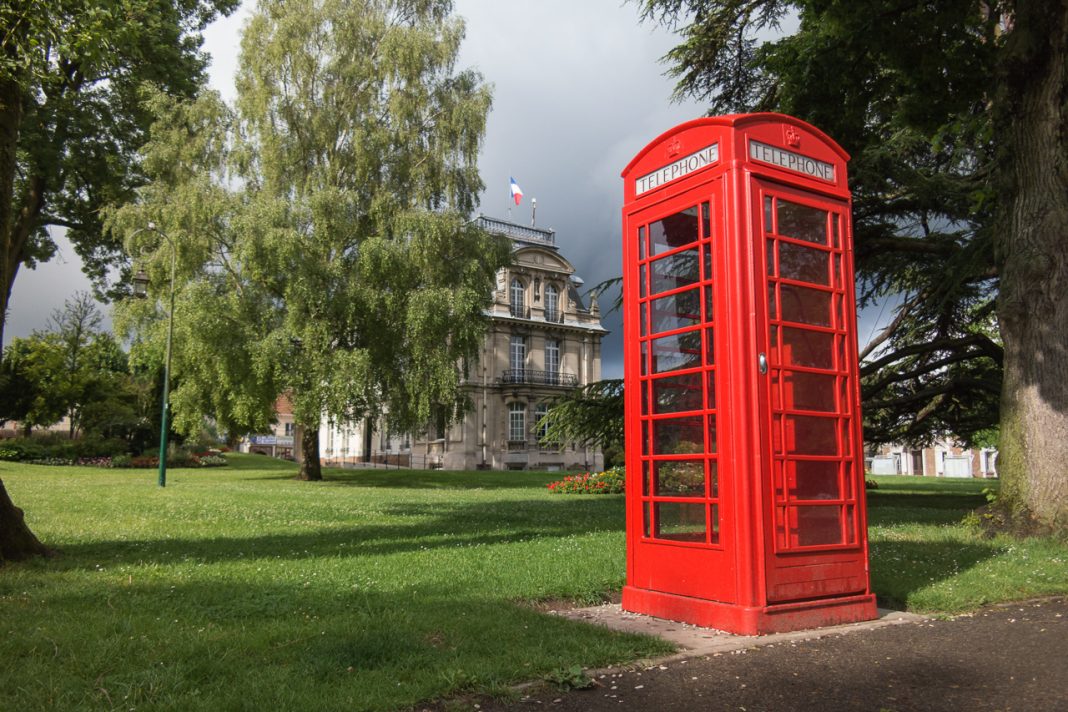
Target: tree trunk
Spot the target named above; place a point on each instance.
(17, 542)
(1032, 123)
(310, 467)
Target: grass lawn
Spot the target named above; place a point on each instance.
(240, 588)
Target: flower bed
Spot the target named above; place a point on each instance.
(608, 482)
(207, 459)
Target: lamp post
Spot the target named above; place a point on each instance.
(140, 290)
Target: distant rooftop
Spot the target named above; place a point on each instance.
(515, 231)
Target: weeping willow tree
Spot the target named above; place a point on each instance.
(320, 225)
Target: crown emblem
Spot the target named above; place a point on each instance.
(793, 138)
(674, 147)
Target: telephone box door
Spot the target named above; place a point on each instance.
(674, 318)
(808, 379)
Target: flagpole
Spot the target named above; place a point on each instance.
(533, 210)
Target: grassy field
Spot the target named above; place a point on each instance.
(240, 588)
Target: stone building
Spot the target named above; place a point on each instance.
(542, 341)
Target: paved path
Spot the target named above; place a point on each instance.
(1003, 658)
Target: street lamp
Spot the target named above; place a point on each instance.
(140, 290)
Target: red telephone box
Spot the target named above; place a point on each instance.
(745, 478)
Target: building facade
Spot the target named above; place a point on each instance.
(943, 458)
(542, 341)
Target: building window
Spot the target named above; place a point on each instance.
(540, 411)
(552, 360)
(289, 429)
(518, 299)
(552, 303)
(517, 354)
(517, 422)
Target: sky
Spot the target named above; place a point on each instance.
(578, 90)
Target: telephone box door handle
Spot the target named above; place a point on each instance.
(762, 363)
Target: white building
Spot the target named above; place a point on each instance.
(542, 341)
(942, 458)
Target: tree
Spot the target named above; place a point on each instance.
(32, 380)
(324, 249)
(72, 117)
(954, 115)
(71, 122)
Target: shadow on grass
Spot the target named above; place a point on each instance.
(430, 526)
(887, 508)
(900, 569)
(425, 479)
(248, 646)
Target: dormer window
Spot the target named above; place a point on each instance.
(518, 300)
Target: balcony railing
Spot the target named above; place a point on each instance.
(538, 378)
(517, 232)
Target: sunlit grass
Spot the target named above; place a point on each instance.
(925, 558)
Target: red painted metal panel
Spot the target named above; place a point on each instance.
(744, 470)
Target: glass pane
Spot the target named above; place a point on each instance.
(711, 389)
(680, 478)
(711, 433)
(641, 280)
(645, 437)
(767, 213)
(802, 222)
(811, 435)
(818, 526)
(646, 520)
(641, 243)
(675, 311)
(773, 302)
(805, 306)
(642, 359)
(715, 523)
(706, 230)
(642, 310)
(710, 348)
(673, 231)
(680, 521)
(706, 250)
(803, 264)
(810, 479)
(675, 271)
(834, 231)
(801, 347)
(808, 391)
(771, 258)
(850, 526)
(678, 436)
(677, 393)
(709, 314)
(675, 352)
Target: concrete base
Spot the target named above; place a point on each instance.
(694, 640)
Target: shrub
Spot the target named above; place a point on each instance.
(607, 482)
(10, 454)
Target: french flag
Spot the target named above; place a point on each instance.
(517, 192)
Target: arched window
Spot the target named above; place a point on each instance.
(540, 411)
(518, 300)
(552, 303)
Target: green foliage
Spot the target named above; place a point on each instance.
(906, 90)
(72, 116)
(570, 678)
(591, 415)
(321, 228)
